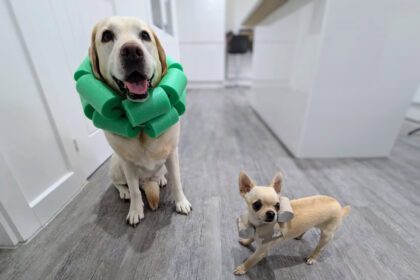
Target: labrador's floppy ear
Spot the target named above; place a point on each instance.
(276, 182)
(245, 183)
(93, 55)
(162, 54)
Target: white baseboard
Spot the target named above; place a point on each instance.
(219, 84)
(48, 204)
(205, 84)
(238, 83)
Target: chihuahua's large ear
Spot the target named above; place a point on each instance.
(277, 182)
(245, 183)
(162, 54)
(93, 55)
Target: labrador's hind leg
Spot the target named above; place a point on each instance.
(117, 176)
(124, 192)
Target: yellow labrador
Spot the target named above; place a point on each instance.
(126, 54)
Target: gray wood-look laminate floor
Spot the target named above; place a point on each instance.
(220, 136)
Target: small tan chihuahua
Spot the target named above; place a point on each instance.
(263, 203)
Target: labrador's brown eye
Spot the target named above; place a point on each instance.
(145, 36)
(107, 36)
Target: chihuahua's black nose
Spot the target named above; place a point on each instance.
(269, 216)
(131, 51)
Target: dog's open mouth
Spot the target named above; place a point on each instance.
(135, 86)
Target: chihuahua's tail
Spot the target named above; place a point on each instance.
(345, 211)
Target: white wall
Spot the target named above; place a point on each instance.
(238, 66)
(201, 35)
(236, 11)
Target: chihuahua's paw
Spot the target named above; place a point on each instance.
(124, 193)
(310, 260)
(240, 270)
(246, 241)
(134, 216)
(183, 206)
(299, 237)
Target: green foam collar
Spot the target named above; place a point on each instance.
(109, 111)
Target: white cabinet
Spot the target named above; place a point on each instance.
(201, 33)
(335, 78)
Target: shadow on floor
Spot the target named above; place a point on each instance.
(111, 213)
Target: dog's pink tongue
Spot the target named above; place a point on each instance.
(137, 88)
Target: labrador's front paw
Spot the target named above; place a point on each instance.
(183, 206)
(135, 215)
(240, 270)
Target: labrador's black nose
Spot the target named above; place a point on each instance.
(269, 216)
(131, 51)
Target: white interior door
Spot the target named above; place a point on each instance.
(50, 148)
(38, 162)
(57, 37)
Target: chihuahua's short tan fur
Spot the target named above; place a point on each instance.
(319, 211)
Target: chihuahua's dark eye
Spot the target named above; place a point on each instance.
(277, 206)
(145, 36)
(107, 36)
(257, 205)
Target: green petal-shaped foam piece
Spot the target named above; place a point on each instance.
(100, 96)
(157, 126)
(181, 105)
(141, 112)
(174, 83)
(84, 68)
(119, 126)
(173, 64)
(87, 109)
